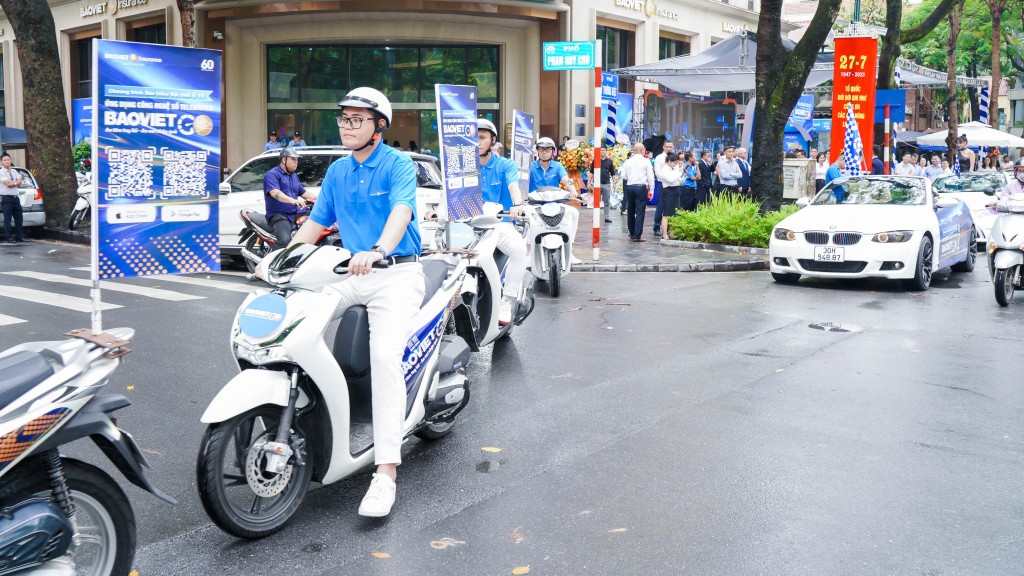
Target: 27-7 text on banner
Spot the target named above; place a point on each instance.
(856, 64)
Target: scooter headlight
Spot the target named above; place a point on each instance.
(550, 209)
(991, 248)
(261, 355)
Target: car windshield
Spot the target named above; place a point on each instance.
(890, 190)
(312, 169)
(976, 183)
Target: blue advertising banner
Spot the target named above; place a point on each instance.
(460, 164)
(522, 145)
(81, 119)
(156, 153)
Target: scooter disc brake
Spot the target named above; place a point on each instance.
(258, 479)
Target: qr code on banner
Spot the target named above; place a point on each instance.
(131, 173)
(469, 158)
(453, 161)
(184, 174)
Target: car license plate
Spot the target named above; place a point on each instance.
(829, 254)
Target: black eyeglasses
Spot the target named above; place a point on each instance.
(354, 122)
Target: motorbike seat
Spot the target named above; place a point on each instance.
(352, 340)
(19, 373)
(258, 219)
(434, 273)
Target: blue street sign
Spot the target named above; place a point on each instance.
(569, 56)
(609, 86)
(896, 99)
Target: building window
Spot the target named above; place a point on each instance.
(81, 65)
(750, 5)
(153, 34)
(669, 47)
(615, 45)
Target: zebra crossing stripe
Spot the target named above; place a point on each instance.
(204, 282)
(52, 299)
(8, 320)
(106, 285)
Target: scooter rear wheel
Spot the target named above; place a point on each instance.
(225, 474)
(1003, 283)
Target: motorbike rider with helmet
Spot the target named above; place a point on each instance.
(545, 171)
(499, 183)
(1015, 187)
(284, 195)
(371, 194)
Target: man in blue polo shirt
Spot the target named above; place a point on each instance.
(499, 182)
(371, 194)
(272, 143)
(285, 196)
(545, 171)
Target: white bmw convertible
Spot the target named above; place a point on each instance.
(874, 226)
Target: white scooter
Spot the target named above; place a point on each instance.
(549, 235)
(300, 409)
(476, 318)
(1005, 259)
(81, 209)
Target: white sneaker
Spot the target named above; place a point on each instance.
(505, 314)
(379, 498)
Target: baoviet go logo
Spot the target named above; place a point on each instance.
(185, 124)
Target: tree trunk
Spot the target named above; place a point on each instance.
(955, 14)
(187, 8)
(895, 36)
(779, 82)
(996, 8)
(46, 113)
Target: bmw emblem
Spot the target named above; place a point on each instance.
(832, 227)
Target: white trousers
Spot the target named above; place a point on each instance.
(392, 298)
(513, 245)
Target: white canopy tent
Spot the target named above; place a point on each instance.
(978, 134)
(729, 66)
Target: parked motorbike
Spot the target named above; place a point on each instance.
(61, 516)
(549, 235)
(476, 316)
(81, 209)
(257, 238)
(299, 410)
(1005, 245)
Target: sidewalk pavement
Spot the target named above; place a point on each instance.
(620, 254)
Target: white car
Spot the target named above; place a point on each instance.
(32, 212)
(874, 226)
(243, 189)
(971, 188)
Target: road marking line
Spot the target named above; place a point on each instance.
(104, 285)
(8, 320)
(205, 282)
(82, 268)
(51, 299)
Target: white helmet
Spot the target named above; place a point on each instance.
(369, 98)
(485, 124)
(545, 142)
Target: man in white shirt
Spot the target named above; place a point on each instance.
(729, 172)
(907, 167)
(638, 187)
(668, 147)
(10, 201)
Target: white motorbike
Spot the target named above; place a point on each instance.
(60, 516)
(476, 317)
(1005, 258)
(549, 235)
(300, 409)
(81, 209)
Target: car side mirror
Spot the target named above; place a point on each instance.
(946, 202)
(803, 202)
(990, 191)
(225, 188)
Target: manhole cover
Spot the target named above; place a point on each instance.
(834, 327)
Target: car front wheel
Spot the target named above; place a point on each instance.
(923, 275)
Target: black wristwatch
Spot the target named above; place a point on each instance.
(383, 253)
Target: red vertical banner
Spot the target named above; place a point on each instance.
(856, 67)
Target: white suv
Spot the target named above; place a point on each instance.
(243, 189)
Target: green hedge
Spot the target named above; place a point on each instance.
(80, 152)
(727, 219)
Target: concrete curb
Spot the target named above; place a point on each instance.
(70, 236)
(715, 247)
(738, 266)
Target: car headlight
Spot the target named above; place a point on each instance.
(261, 355)
(892, 237)
(783, 234)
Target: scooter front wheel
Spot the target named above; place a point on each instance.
(76, 218)
(238, 494)
(1003, 282)
(258, 248)
(554, 273)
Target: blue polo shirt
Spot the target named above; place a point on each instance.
(277, 179)
(691, 172)
(539, 177)
(360, 197)
(272, 146)
(831, 174)
(495, 177)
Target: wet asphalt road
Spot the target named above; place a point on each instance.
(687, 423)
